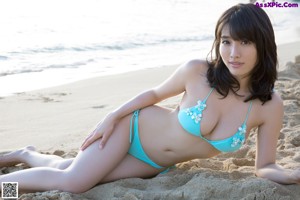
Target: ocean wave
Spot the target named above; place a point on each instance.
(38, 61)
(43, 68)
(3, 57)
(19, 71)
(71, 65)
(141, 41)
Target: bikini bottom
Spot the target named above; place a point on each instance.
(136, 148)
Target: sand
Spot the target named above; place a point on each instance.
(56, 120)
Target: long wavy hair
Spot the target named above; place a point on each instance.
(246, 22)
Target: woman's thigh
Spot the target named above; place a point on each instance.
(93, 164)
(131, 167)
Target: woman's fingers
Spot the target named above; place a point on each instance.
(90, 139)
(103, 140)
(86, 143)
(103, 131)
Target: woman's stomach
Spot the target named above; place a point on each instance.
(165, 141)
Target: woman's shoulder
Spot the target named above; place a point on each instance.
(195, 66)
(272, 108)
(275, 102)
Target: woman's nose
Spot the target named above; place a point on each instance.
(235, 51)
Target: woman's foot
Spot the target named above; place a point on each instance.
(15, 157)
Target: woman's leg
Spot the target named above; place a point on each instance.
(32, 158)
(131, 167)
(87, 169)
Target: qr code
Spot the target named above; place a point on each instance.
(9, 190)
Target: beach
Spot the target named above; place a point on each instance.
(56, 120)
(61, 74)
(40, 50)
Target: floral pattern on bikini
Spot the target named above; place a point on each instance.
(239, 137)
(196, 112)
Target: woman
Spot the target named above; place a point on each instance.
(224, 98)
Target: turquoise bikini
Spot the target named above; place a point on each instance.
(136, 148)
(189, 119)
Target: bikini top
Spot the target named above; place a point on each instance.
(190, 120)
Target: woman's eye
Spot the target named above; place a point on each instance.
(246, 42)
(225, 42)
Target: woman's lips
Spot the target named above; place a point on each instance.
(236, 64)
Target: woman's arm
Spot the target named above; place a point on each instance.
(174, 85)
(268, 133)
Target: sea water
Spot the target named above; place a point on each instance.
(53, 42)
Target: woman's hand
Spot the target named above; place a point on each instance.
(103, 130)
(277, 173)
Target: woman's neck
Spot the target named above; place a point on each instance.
(244, 86)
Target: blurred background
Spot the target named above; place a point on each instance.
(53, 42)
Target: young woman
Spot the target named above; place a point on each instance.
(224, 98)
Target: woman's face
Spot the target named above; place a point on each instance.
(240, 56)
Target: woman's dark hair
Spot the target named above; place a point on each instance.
(246, 22)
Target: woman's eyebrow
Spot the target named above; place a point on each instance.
(225, 37)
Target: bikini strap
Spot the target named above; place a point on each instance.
(135, 118)
(212, 89)
(249, 109)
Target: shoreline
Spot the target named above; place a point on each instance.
(284, 56)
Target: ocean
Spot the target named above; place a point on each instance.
(54, 42)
